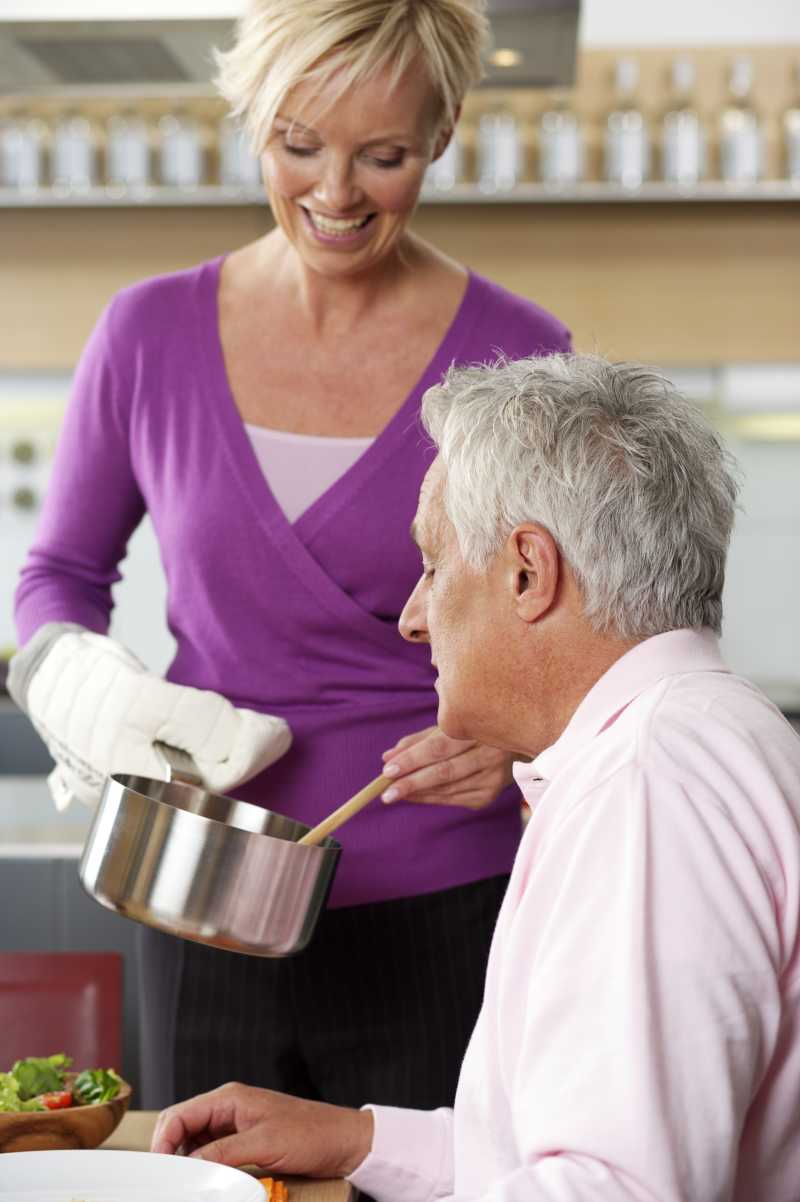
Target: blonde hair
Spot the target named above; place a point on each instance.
(282, 43)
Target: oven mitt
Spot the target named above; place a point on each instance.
(99, 711)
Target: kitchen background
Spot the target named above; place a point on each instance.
(654, 206)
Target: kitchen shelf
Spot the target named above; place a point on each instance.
(601, 193)
(464, 194)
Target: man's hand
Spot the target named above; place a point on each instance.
(239, 1124)
(433, 768)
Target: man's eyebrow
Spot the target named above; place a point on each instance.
(414, 531)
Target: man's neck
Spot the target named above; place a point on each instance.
(569, 674)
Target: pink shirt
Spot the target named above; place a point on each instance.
(640, 1032)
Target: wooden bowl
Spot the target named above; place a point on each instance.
(73, 1127)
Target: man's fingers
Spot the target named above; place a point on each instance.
(181, 1124)
(246, 1147)
(169, 1135)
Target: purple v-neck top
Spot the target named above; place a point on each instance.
(292, 619)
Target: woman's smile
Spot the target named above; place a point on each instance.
(343, 168)
(337, 230)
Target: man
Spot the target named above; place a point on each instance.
(640, 1033)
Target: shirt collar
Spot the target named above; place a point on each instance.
(670, 654)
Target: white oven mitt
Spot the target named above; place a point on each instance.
(99, 711)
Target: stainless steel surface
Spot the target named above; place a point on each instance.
(80, 55)
(543, 34)
(206, 867)
(107, 54)
(180, 765)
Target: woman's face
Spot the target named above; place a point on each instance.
(343, 177)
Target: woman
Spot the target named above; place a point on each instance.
(263, 409)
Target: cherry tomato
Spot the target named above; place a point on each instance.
(57, 1100)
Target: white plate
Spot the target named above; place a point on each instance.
(98, 1176)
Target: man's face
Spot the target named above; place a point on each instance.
(464, 616)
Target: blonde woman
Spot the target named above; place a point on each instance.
(263, 408)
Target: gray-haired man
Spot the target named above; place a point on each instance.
(640, 1033)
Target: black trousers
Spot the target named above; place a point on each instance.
(379, 1008)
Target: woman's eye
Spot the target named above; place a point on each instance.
(387, 163)
(300, 151)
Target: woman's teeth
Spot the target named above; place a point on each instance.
(336, 225)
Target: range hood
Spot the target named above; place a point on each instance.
(108, 45)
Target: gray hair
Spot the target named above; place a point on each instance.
(630, 479)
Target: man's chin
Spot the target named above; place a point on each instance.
(449, 721)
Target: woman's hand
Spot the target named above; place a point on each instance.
(239, 1124)
(433, 768)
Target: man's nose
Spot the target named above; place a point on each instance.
(413, 624)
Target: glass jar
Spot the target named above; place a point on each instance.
(23, 139)
(238, 166)
(683, 135)
(127, 151)
(74, 158)
(499, 149)
(561, 150)
(180, 151)
(791, 132)
(627, 138)
(741, 134)
(447, 171)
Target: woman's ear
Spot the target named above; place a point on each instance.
(444, 135)
(535, 565)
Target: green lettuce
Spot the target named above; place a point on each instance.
(10, 1098)
(40, 1074)
(95, 1085)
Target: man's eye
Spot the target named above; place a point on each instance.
(427, 573)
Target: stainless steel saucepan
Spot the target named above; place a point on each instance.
(207, 867)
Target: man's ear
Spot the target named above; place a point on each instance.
(534, 563)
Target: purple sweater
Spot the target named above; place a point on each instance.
(292, 619)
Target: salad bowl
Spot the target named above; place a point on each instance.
(64, 1114)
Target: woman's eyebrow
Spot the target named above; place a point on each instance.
(394, 137)
(382, 139)
(295, 124)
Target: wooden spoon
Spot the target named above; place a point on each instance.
(351, 807)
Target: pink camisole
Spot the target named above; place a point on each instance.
(299, 468)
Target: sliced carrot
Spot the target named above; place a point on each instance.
(276, 1191)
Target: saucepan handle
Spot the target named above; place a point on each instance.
(180, 765)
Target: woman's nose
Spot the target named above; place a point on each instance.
(413, 623)
(337, 189)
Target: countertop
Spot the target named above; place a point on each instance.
(30, 825)
(134, 1133)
